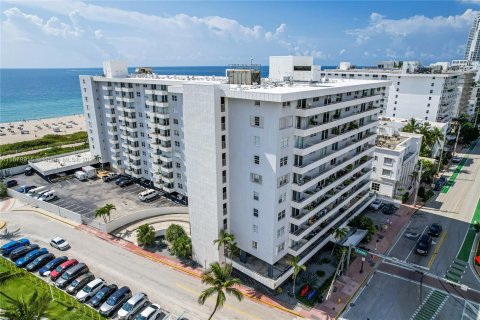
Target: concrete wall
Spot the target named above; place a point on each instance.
(13, 170)
(46, 206)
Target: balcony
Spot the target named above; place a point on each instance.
(322, 226)
(106, 88)
(109, 106)
(159, 104)
(168, 187)
(158, 114)
(107, 97)
(321, 107)
(307, 145)
(159, 125)
(156, 92)
(316, 159)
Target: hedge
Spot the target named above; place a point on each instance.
(49, 140)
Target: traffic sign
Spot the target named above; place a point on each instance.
(362, 252)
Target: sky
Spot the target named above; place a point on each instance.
(75, 33)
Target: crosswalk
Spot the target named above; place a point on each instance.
(431, 306)
(456, 270)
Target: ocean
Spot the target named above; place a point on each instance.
(27, 94)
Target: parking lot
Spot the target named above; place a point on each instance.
(85, 197)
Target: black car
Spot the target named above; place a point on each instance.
(389, 209)
(423, 245)
(126, 182)
(11, 183)
(29, 171)
(440, 183)
(20, 252)
(102, 295)
(40, 262)
(121, 177)
(435, 230)
(144, 182)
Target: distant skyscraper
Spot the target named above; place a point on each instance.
(472, 52)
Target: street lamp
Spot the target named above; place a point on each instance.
(456, 140)
(363, 260)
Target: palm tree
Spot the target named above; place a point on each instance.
(412, 126)
(145, 235)
(97, 158)
(339, 234)
(225, 240)
(109, 207)
(34, 308)
(436, 135)
(101, 213)
(220, 281)
(296, 270)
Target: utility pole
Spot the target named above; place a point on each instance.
(456, 140)
(419, 176)
(441, 154)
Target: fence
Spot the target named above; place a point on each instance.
(13, 170)
(62, 212)
(56, 294)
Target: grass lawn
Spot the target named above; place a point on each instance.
(22, 285)
(49, 140)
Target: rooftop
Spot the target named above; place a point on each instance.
(391, 142)
(68, 162)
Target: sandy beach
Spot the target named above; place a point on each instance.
(33, 129)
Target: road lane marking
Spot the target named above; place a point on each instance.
(197, 293)
(437, 249)
(415, 245)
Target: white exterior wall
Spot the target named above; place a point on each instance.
(281, 66)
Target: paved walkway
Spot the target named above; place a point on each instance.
(26, 153)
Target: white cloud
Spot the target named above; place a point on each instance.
(342, 51)
(419, 24)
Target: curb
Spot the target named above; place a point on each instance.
(43, 212)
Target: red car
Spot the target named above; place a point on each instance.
(55, 274)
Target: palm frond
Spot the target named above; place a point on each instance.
(235, 292)
(207, 293)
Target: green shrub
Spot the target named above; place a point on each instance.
(174, 231)
(405, 197)
(49, 140)
(320, 273)
(3, 190)
(428, 195)
(421, 192)
(182, 247)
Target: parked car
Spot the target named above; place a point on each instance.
(70, 275)
(144, 182)
(423, 245)
(12, 245)
(48, 196)
(134, 304)
(456, 159)
(25, 189)
(81, 176)
(11, 183)
(90, 289)
(102, 295)
(115, 301)
(151, 312)
(126, 182)
(79, 282)
(148, 195)
(58, 271)
(40, 262)
(29, 257)
(110, 177)
(121, 177)
(435, 230)
(20, 252)
(376, 204)
(46, 269)
(59, 243)
(29, 171)
(389, 209)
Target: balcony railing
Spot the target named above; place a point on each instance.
(327, 102)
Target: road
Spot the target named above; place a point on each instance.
(453, 209)
(174, 291)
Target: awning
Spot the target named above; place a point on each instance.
(354, 239)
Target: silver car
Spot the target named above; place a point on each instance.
(90, 289)
(134, 304)
(115, 301)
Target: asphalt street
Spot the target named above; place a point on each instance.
(174, 291)
(454, 211)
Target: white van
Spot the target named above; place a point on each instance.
(80, 175)
(40, 194)
(35, 191)
(48, 196)
(148, 194)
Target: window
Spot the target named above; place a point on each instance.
(257, 103)
(256, 196)
(256, 121)
(286, 122)
(427, 111)
(282, 197)
(280, 232)
(179, 175)
(432, 84)
(256, 159)
(388, 161)
(375, 186)
(283, 180)
(180, 186)
(254, 245)
(429, 98)
(256, 178)
(283, 161)
(256, 141)
(280, 247)
(284, 143)
(177, 144)
(255, 228)
(398, 83)
(224, 191)
(431, 91)
(386, 173)
(255, 213)
(174, 98)
(175, 121)
(175, 133)
(178, 165)
(281, 215)
(138, 94)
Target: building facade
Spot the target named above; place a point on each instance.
(472, 50)
(280, 164)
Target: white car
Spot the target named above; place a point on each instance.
(376, 204)
(456, 159)
(90, 289)
(59, 243)
(152, 312)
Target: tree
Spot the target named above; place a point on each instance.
(225, 240)
(108, 208)
(469, 132)
(174, 231)
(296, 270)
(3, 190)
(145, 235)
(412, 126)
(182, 247)
(219, 280)
(339, 234)
(476, 226)
(104, 211)
(35, 307)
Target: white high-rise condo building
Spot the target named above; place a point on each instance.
(472, 51)
(280, 164)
